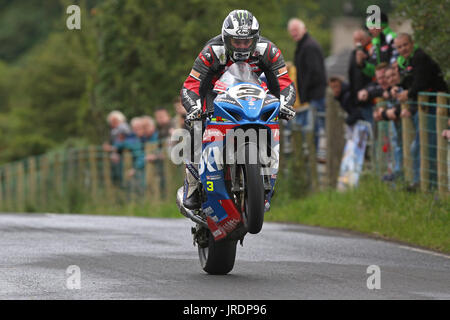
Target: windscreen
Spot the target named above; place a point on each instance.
(239, 72)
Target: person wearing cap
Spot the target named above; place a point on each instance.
(383, 49)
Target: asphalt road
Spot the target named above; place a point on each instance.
(139, 258)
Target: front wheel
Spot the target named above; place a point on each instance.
(218, 256)
(254, 199)
(251, 196)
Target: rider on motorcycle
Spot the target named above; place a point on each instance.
(240, 41)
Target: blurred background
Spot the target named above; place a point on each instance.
(57, 86)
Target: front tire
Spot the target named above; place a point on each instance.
(253, 213)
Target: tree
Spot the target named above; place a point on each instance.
(147, 49)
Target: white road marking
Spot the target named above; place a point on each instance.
(426, 251)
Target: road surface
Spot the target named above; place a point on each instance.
(141, 258)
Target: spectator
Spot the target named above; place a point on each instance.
(132, 143)
(311, 76)
(137, 126)
(118, 125)
(163, 124)
(382, 50)
(395, 126)
(178, 121)
(342, 93)
(150, 136)
(165, 129)
(375, 90)
(446, 133)
(419, 73)
(393, 79)
(115, 120)
(358, 80)
(149, 127)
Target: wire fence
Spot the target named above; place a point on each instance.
(410, 149)
(62, 181)
(413, 147)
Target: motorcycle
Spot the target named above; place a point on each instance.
(237, 169)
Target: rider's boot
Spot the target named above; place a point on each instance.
(191, 195)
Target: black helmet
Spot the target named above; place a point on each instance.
(240, 34)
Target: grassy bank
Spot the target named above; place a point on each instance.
(377, 209)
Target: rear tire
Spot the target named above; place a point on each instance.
(218, 257)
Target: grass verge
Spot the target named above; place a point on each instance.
(377, 209)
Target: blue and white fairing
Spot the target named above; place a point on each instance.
(242, 101)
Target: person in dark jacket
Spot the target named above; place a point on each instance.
(357, 79)
(342, 93)
(311, 76)
(375, 90)
(419, 72)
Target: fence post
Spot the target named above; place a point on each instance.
(70, 167)
(408, 133)
(334, 124)
(2, 204)
(312, 159)
(81, 164)
(93, 170)
(8, 187)
(297, 166)
(107, 176)
(57, 174)
(31, 181)
(423, 136)
(152, 179)
(44, 168)
(20, 186)
(441, 125)
(126, 179)
(172, 176)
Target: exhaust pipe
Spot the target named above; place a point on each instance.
(187, 212)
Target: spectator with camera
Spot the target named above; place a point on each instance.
(358, 80)
(383, 49)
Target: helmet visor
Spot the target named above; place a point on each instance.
(241, 43)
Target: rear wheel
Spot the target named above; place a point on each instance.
(218, 256)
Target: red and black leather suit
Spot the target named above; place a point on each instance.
(213, 60)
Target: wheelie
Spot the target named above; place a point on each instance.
(229, 188)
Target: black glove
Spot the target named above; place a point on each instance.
(194, 114)
(286, 112)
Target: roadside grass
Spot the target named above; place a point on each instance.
(377, 209)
